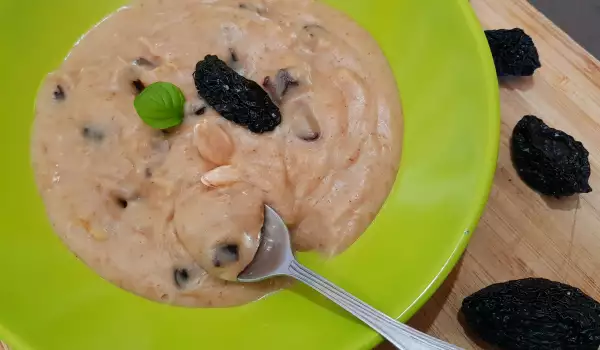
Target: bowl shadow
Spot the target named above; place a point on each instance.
(424, 319)
(516, 83)
(566, 204)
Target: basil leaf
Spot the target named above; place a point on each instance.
(160, 105)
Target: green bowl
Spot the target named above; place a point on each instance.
(51, 300)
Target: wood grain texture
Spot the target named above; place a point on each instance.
(522, 234)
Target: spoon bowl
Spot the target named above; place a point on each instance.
(274, 257)
(274, 253)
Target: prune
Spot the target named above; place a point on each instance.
(279, 86)
(226, 254)
(59, 93)
(92, 134)
(513, 51)
(138, 86)
(237, 99)
(181, 276)
(549, 161)
(534, 313)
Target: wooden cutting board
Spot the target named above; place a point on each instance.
(522, 234)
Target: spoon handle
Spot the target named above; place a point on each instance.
(401, 335)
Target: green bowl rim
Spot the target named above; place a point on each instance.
(493, 97)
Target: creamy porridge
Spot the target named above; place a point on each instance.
(173, 214)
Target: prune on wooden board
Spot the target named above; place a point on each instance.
(513, 51)
(234, 97)
(549, 161)
(534, 314)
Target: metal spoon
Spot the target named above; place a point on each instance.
(275, 258)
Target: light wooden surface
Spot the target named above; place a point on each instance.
(521, 234)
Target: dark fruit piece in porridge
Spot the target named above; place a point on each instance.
(304, 124)
(92, 133)
(122, 202)
(59, 93)
(144, 62)
(233, 56)
(200, 111)
(513, 51)
(181, 277)
(237, 99)
(310, 137)
(549, 161)
(534, 314)
(226, 254)
(250, 7)
(279, 86)
(138, 86)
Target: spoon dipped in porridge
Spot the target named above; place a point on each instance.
(287, 103)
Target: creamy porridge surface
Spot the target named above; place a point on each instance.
(171, 215)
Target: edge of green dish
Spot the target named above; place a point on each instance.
(494, 138)
(493, 148)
